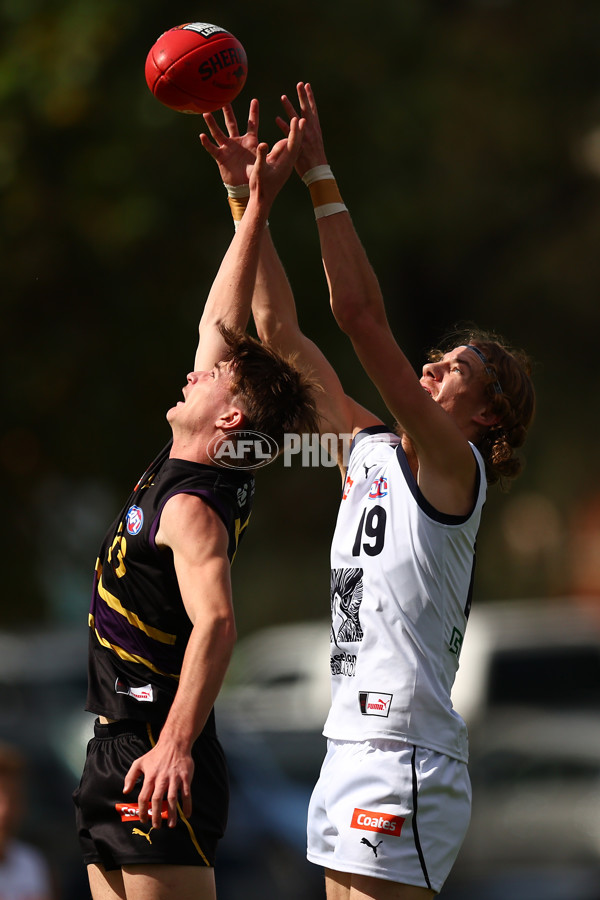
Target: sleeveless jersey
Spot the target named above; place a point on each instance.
(139, 627)
(401, 582)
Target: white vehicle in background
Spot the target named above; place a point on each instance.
(529, 689)
(539, 654)
(278, 686)
(279, 678)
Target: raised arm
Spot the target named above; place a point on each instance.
(357, 303)
(230, 298)
(273, 304)
(198, 541)
(275, 315)
(234, 154)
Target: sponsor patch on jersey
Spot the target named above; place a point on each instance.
(456, 641)
(135, 520)
(373, 704)
(130, 812)
(347, 486)
(143, 694)
(379, 488)
(380, 823)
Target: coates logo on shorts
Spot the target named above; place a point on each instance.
(243, 450)
(380, 823)
(130, 812)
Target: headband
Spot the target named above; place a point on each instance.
(496, 384)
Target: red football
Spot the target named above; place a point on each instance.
(196, 68)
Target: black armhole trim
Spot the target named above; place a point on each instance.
(468, 604)
(366, 432)
(425, 505)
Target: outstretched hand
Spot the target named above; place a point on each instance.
(313, 151)
(273, 167)
(233, 152)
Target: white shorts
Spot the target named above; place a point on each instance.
(389, 810)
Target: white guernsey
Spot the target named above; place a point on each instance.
(401, 577)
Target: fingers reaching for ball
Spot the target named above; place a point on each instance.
(313, 151)
(233, 152)
(274, 166)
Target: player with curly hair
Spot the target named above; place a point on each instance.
(391, 808)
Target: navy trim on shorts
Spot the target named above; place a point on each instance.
(415, 827)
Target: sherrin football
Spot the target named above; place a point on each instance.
(196, 68)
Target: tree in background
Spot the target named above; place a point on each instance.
(473, 179)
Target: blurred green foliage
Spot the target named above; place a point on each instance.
(466, 140)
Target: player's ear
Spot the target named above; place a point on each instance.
(486, 417)
(231, 420)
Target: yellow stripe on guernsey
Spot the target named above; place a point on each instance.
(163, 636)
(123, 654)
(114, 603)
(187, 824)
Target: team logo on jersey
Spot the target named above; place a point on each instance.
(380, 823)
(346, 598)
(456, 641)
(347, 486)
(379, 488)
(135, 520)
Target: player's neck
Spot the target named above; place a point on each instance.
(191, 447)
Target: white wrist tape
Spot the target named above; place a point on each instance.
(329, 209)
(317, 173)
(324, 192)
(237, 191)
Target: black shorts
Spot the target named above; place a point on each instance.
(111, 834)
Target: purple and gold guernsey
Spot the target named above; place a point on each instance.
(139, 628)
